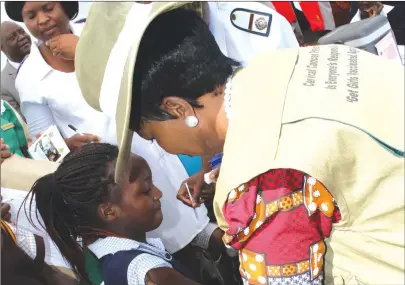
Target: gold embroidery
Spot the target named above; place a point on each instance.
(8, 126)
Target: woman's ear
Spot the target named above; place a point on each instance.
(108, 212)
(177, 107)
(375, 10)
(380, 7)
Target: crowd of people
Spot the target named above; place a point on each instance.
(145, 94)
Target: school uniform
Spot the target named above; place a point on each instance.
(126, 262)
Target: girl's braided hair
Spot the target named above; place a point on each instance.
(68, 200)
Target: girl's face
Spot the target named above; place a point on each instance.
(138, 209)
(45, 20)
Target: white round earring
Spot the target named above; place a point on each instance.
(191, 121)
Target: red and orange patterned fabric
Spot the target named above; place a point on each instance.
(278, 221)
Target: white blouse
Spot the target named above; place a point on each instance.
(51, 97)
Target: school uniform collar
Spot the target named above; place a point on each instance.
(112, 245)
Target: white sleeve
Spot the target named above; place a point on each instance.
(236, 41)
(141, 265)
(288, 38)
(39, 117)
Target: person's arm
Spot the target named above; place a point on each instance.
(152, 270)
(39, 118)
(4, 153)
(5, 210)
(206, 166)
(63, 46)
(24, 147)
(167, 276)
(195, 184)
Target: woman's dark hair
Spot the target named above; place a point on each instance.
(68, 200)
(178, 56)
(71, 8)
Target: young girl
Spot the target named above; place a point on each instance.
(83, 208)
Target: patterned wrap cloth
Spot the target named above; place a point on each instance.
(278, 222)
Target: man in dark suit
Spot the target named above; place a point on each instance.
(16, 45)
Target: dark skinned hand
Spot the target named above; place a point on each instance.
(5, 210)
